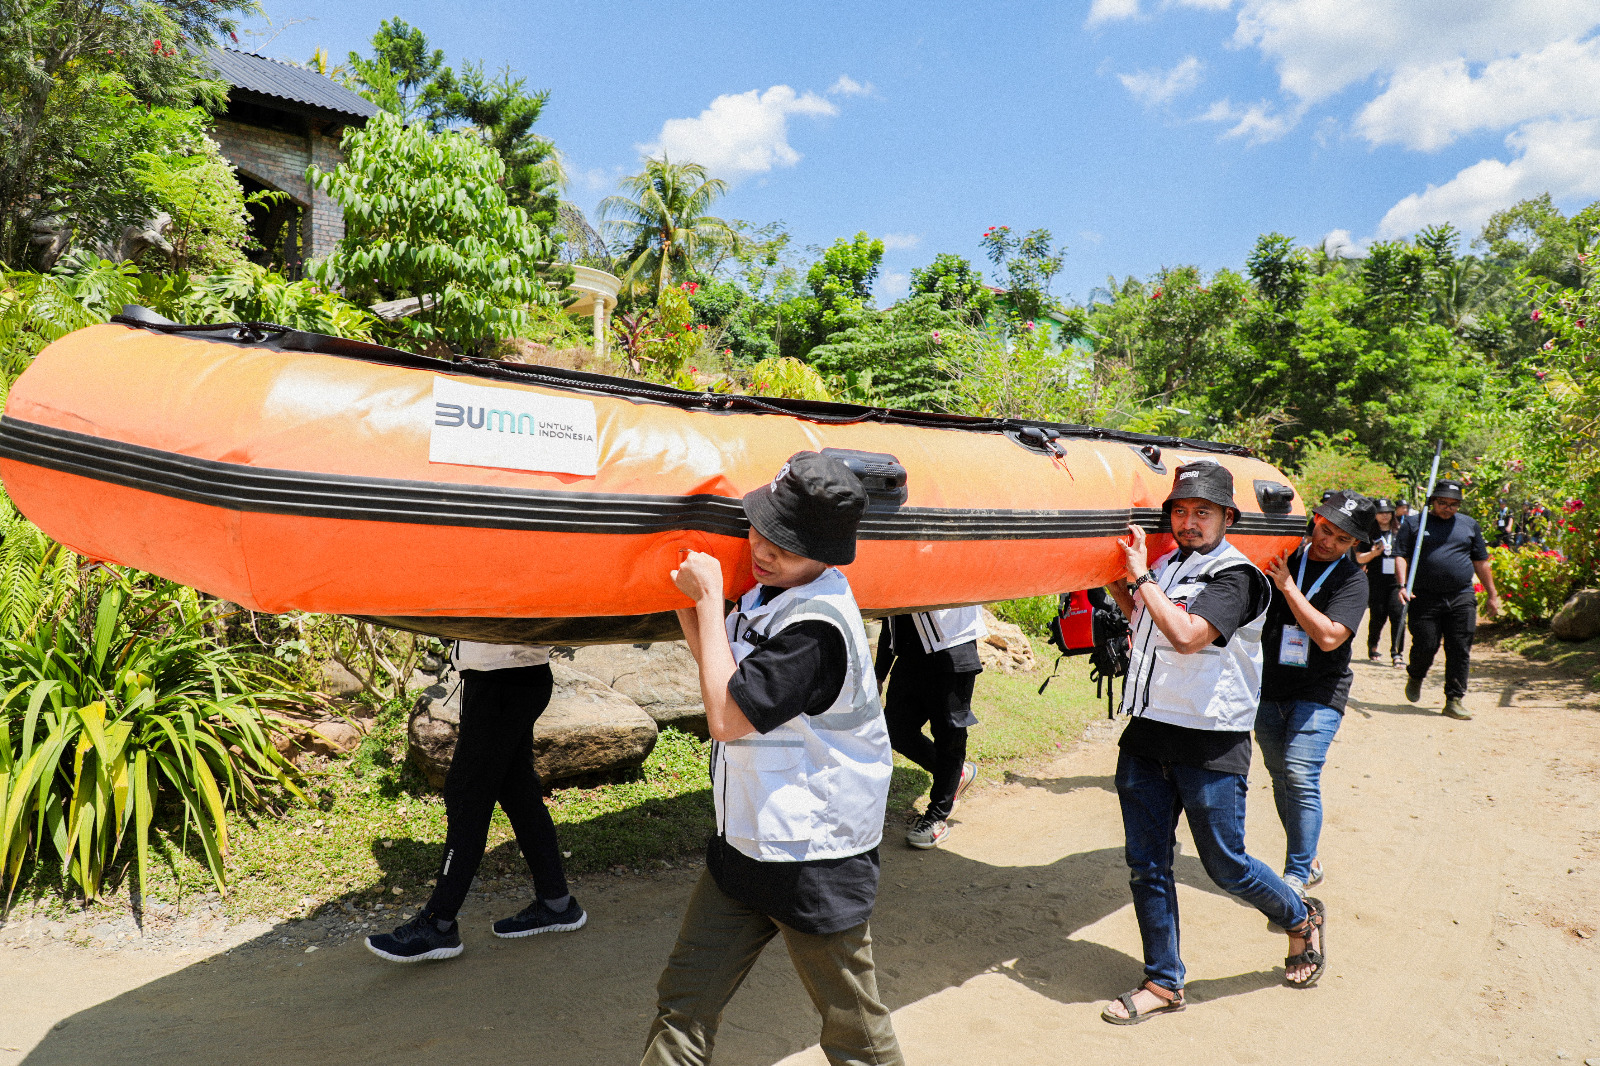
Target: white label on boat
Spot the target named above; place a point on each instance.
(479, 425)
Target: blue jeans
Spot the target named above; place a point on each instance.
(1153, 795)
(1294, 736)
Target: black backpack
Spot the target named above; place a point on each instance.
(1105, 642)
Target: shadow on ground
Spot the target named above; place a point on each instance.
(941, 920)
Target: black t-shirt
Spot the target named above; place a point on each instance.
(900, 640)
(799, 670)
(1449, 548)
(1229, 600)
(1378, 581)
(1326, 676)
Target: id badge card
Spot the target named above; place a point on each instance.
(1388, 565)
(1295, 647)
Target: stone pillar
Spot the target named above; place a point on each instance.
(599, 326)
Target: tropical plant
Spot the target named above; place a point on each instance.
(1533, 582)
(1326, 466)
(36, 309)
(1030, 264)
(902, 353)
(661, 228)
(787, 377)
(957, 286)
(116, 703)
(426, 216)
(1023, 376)
(659, 341)
(195, 185)
(400, 71)
(77, 78)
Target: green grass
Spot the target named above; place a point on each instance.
(375, 828)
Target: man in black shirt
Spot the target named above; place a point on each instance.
(1442, 602)
(1320, 598)
(800, 776)
(1193, 688)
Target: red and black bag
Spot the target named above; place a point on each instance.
(1089, 622)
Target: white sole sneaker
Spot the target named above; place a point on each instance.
(569, 927)
(427, 956)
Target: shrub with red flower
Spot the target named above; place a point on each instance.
(1533, 584)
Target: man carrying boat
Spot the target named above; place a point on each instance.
(800, 776)
(504, 690)
(1193, 687)
(1442, 605)
(930, 659)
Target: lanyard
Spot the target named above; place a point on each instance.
(1317, 584)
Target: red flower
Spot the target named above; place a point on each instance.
(1537, 315)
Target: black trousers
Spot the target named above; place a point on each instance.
(493, 763)
(1385, 606)
(1452, 620)
(943, 702)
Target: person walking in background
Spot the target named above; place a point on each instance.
(1319, 600)
(931, 661)
(1402, 512)
(1383, 585)
(1442, 604)
(1193, 688)
(800, 776)
(504, 690)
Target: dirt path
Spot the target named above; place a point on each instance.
(1463, 873)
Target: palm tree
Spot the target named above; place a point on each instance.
(663, 228)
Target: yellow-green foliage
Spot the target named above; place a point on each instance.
(1328, 467)
(787, 377)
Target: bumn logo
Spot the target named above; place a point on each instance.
(485, 425)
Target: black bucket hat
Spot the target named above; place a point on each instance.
(812, 508)
(1446, 490)
(1381, 505)
(1351, 512)
(1202, 480)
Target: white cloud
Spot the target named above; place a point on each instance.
(848, 86)
(1427, 108)
(893, 286)
(1203, 5)
(1561, 157)
(740, 134)
(1109, 10)
(1156, 87)
(1256, 123)
(1340, 244)
(893, 242)
(1323, 46)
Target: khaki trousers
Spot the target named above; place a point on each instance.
(719, 943)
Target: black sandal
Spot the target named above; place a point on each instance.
(1316, 919)
(1174, 1004)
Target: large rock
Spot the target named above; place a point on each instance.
(661, 678)
(1006, 648)
(589, 731)
(1579, 617)
(324, 734)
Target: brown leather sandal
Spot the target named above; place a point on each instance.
(1174, 1004)
(1317, 919)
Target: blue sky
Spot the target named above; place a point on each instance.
(1142, 133)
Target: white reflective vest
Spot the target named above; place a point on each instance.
(817, 786)
(1213, 688)
(939, 630)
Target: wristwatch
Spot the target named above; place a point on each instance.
(1140, 580)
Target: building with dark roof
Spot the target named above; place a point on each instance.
(280, 120)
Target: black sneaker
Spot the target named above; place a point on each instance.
(537, 918)
(419, 940)
(1413, 689)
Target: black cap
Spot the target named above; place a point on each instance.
(1327, 494)
(1351, 512)
(811, 508)
(1380, 505)
(1401, 503)
(1446, 490)
(1202, 479)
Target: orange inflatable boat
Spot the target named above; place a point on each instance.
(290, 471)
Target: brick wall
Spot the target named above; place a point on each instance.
(279, 159)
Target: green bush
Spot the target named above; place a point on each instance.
(1327, 467)
(1034, 614)
(1533, 583)
(114, 703)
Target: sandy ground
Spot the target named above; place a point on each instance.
(1463, 873)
